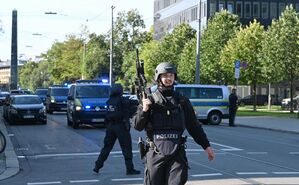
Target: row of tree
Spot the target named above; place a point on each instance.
(269, 54)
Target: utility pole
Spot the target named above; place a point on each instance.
(197, 80)
(111, 48)
(83, 61)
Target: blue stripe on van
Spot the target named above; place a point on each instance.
(209, 103)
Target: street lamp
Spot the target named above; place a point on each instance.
(51, 13)
(197, 80)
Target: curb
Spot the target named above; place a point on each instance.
(267, 128)
(11, 161)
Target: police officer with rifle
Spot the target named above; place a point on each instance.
(117, 127)
(164, 115)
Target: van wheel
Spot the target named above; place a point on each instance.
(214, 118)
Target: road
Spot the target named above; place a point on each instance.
(58, 154)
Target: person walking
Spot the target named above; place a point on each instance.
(164, 115)
(233, 106)
(117, 127)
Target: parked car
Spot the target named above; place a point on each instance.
(3, 95)
(25, 108)
(286, 103)
(260, 100)
(21, 91)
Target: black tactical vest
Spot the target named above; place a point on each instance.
(114, 109)
(166, 114)
(167, 123)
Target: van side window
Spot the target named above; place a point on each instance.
(211, 93)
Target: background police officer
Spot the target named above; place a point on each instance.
(233, 106)
(164, 115)
(117, 127)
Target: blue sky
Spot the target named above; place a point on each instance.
(71, 15)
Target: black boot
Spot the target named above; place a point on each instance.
(133, 172)
(97, 168)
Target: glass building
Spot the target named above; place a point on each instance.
(169, 13)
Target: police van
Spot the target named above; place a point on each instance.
(86, 102)
(210, 102)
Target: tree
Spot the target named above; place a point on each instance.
(187, 65)
(173, 43)
(65, 59)
(245, 47)
(25, 75)
(96, 59)
(128, 33)
(220, 29)
(281, 48)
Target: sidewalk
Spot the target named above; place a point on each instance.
(9, 164)
(283, 124)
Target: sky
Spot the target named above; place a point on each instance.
(37, 31)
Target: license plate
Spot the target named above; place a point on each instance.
(62, 108)
(28, 116)
(98, 120)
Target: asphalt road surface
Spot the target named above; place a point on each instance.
(58, 154)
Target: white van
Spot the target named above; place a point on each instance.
(210, 102)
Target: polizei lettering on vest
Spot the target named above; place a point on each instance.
(167, 136)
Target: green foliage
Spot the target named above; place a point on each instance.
(220, 29)
(245, 47)
(25, 75)
(128, 33)
(187, 66)
(173, 43)
(96, 59)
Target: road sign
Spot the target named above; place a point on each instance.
(237, 69)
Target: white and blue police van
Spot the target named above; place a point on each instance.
(210, 102)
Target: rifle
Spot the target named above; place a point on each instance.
(141, 80)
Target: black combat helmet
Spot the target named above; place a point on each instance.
(164, 67)
(116, 90)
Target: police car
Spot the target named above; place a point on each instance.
(210, 102)
(86, 102)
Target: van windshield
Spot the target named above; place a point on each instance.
(201, 92)
(92, 91)
(59, 92)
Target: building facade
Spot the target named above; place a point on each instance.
(170, 13)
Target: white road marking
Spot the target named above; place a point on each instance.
(10, 135)
(39, 183)
(21, 157)
(128, 179)
(251, 173)
(285, 173)
(206, 175)
(227, 148)
(294, 153)
(257, 153)
(83, 181)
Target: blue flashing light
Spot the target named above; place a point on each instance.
(105, 80)
(87, 107)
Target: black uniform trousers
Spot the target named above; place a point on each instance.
(232, 115)
(117, 131)
(166, 170)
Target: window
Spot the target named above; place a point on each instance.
(265, 10)
(256, 10)
(239, 9)
(247, 10)
(212, 7)
(230, 6)
(194, 14)
(221, 5)
(273, 10)
(281, 7)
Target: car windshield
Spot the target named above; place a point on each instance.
(41, 91)
(92, 91)
(59, 92)
(26, 100)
